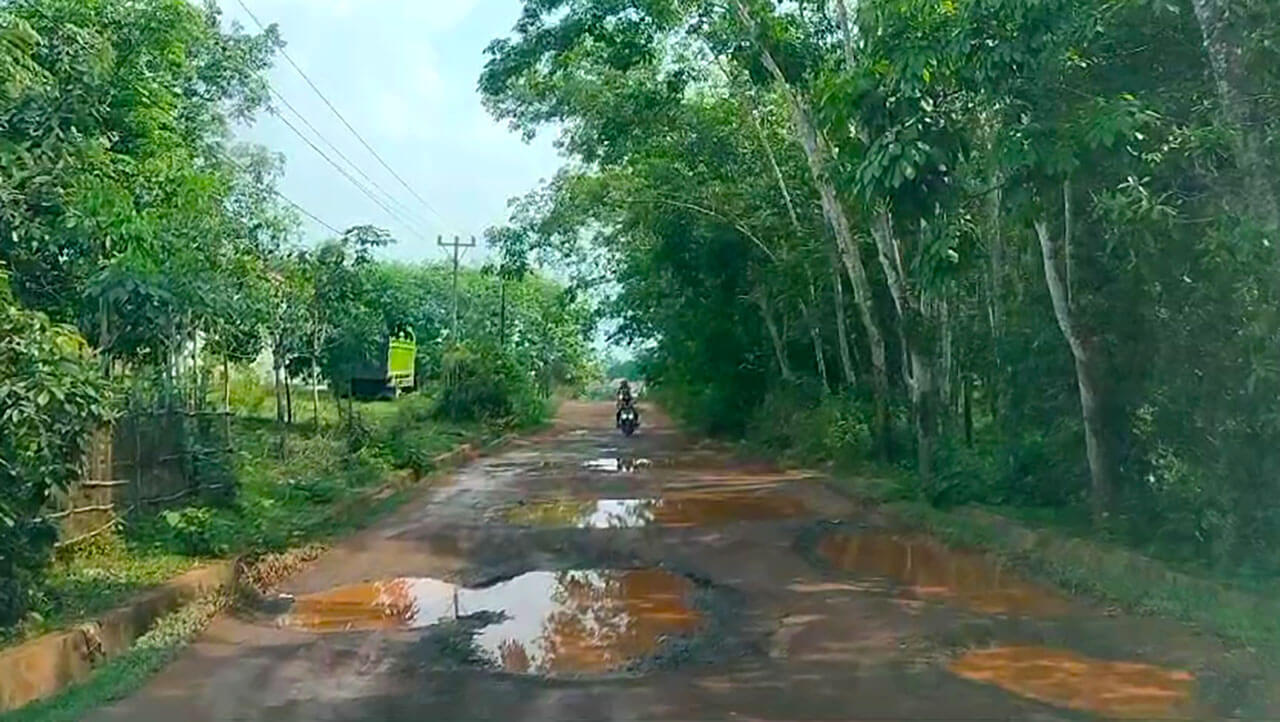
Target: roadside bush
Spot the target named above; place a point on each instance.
(484, 383)
(814, 426)
(413, 438)
(52, 397)
(249, 395)
(194, 531)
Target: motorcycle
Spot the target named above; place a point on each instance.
(628, 419)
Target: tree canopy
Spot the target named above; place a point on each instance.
(1031, 246)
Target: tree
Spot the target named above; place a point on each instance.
(52, 399)
(1047, 187)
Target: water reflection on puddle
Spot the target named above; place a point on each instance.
(931, 571)
(571, 622)
(1122, 690)
(673, 510)
(619, 465)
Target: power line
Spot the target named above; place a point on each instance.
(305, 212)
(359, 186)
(342, 118)
(338, 151)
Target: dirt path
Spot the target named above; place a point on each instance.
(583, 576)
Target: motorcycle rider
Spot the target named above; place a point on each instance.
(624, 400)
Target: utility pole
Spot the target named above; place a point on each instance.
(457, 245)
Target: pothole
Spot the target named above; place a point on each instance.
(670, 510)
(575, 622)
(1120, 690)
(930, 571)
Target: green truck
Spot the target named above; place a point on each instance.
(391, 373)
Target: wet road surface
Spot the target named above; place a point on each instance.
(578, 575)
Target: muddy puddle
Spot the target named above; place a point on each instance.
(546, 623)
(1119, 690)
(672, 510)
(930, 571)
(617, 465)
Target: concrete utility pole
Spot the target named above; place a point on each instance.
(457, 245)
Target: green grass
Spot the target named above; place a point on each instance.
(127, 672)
(93, 578)
(295, 485)
(291, 481)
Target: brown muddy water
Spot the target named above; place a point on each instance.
(685, 509)
(929, 571)
(1119, 690)
(552, 623)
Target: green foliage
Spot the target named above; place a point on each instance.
(193, 531)
(721, 149)
(414, 437)
(52, 398)
(483, 383)
(811, 426)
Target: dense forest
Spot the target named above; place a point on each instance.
(146, 259)
(1026, 250)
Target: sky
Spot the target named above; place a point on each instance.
(403, 73)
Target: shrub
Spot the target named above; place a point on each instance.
(51, 400)
(484, 383)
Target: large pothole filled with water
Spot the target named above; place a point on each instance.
(682, 509)
(551, 623)
(924, 569)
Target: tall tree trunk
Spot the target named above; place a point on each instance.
(288, 400)
(197, 384)
(226, 402)
(779, 347)
(917, 340)
(815, 335)
(1224, 44)
(846, 32)
(275, 367)
(995, 300)
(842, 333)
(315, 393)
(948, 360)
(1103, 464)
(966, 389)
(818, 155)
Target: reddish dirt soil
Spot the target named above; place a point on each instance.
(659, 577)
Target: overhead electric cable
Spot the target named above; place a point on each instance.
(359, 186)
(354, 166)
(343, 118)
(305, 212)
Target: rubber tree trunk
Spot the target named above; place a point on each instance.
(1103, 464)
(815, 335)
(966, 389)
(846, 32)
(842, 333)
(917, 339)
(1237, 86)
(995, 300)
(818, 156)
(315, 393)
(809, 311)
(779, 347)
(275, 367)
